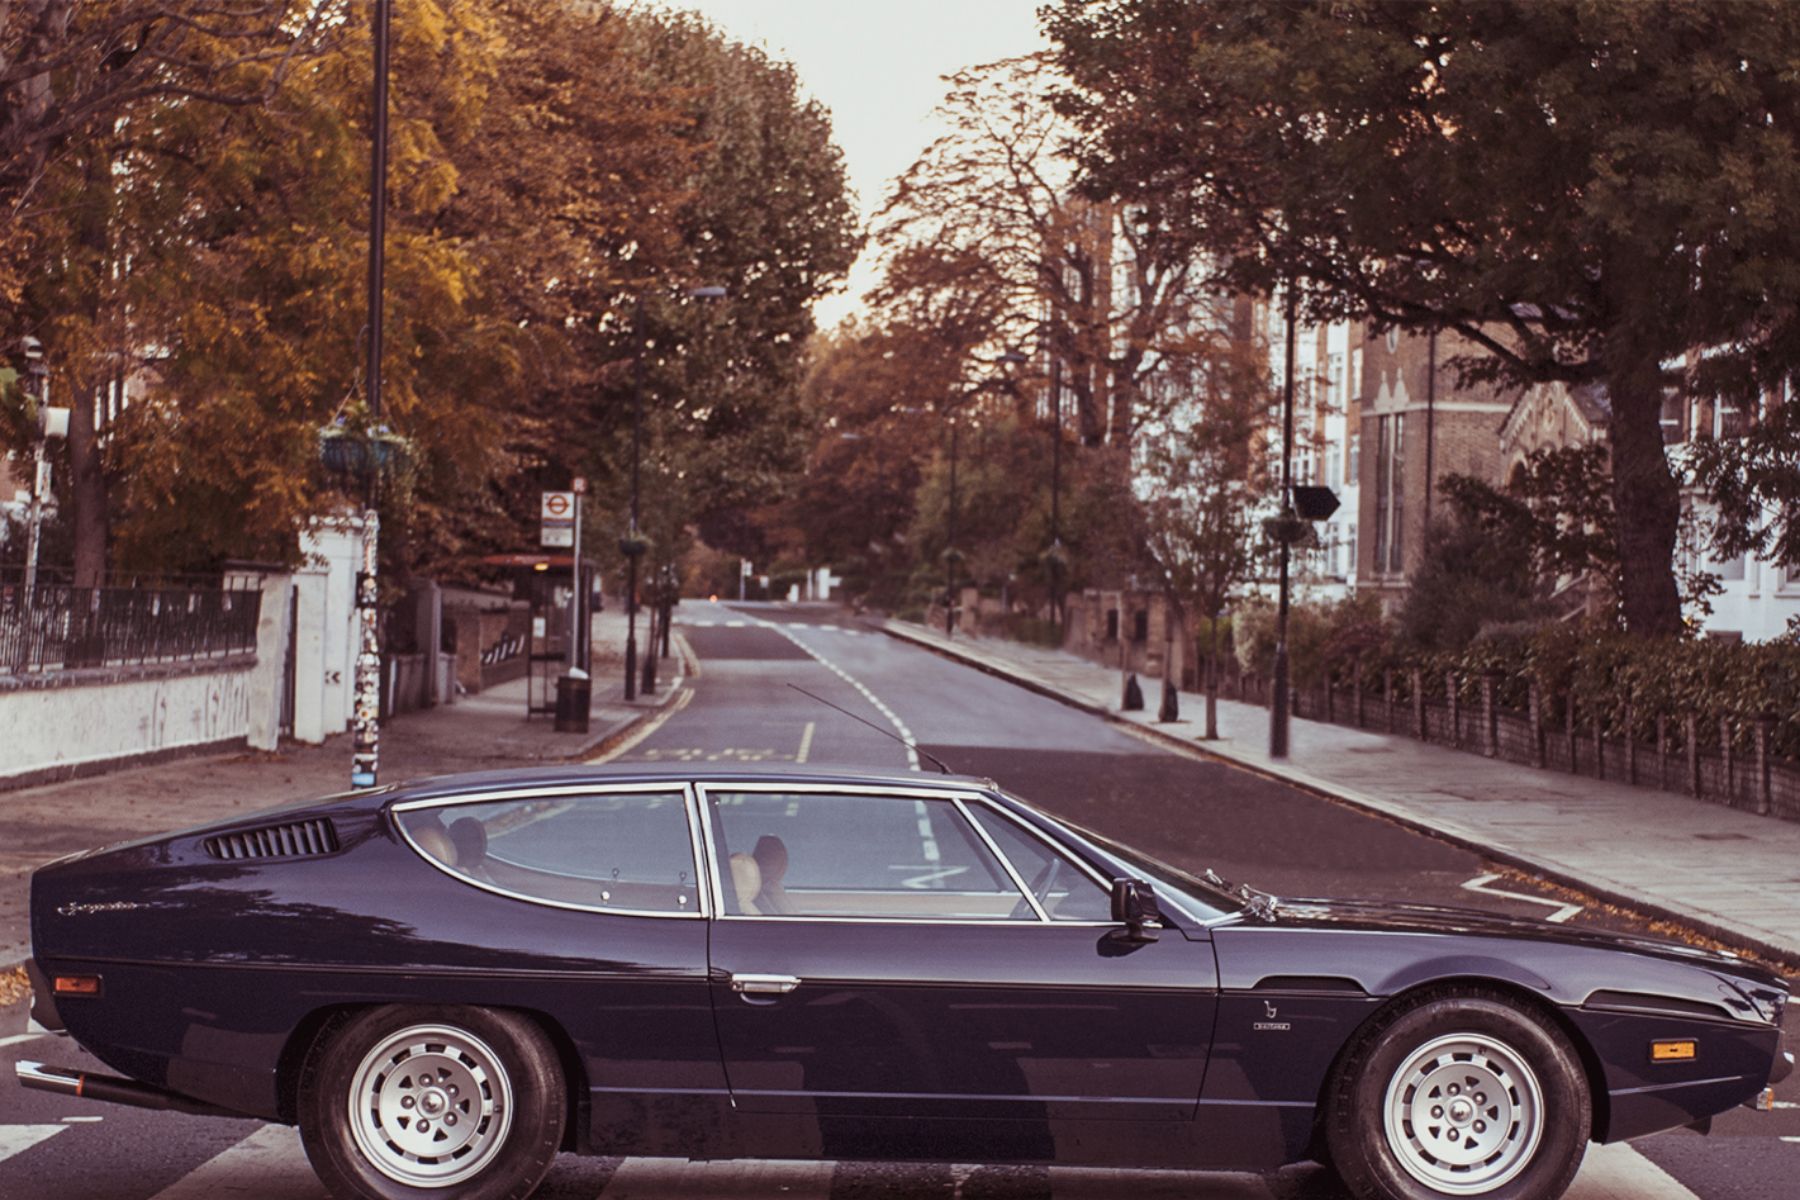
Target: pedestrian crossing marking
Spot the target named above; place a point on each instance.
(677, 1179)
(267, 1165)
(15, 1139)
(270, 1164)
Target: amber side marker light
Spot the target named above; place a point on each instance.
(1685, 1050)
(76, 985)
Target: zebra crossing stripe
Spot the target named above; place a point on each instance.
(267, 1165)
(15, 1139)
(676, 1179)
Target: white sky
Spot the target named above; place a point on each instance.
(878, 67)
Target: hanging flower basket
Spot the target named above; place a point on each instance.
(361, 453)
(634, 545)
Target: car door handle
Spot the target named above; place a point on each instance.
(764, 985)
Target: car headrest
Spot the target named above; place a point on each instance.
(746, 882)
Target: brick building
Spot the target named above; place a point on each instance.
(1416, 426)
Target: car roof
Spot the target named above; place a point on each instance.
(615, 773)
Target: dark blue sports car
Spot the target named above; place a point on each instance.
(444, 984)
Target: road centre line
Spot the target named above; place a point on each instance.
(906, 735)
(806, 737)
(1563, 911)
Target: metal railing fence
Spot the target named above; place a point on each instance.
(57, 627)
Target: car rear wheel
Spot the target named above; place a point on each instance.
(406, 1102)
(1458, 1094)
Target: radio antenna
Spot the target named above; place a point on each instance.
(913, 746)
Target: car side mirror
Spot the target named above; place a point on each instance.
(1134, 904)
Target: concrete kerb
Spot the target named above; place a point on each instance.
(1787, 957)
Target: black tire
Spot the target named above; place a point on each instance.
(409, 1102)
(1409, 1114)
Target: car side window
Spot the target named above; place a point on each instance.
(1066, 892)
(824, 854)
(630, 851)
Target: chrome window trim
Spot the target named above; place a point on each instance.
(1012, 872)
(702, 908)
(1103, 883)
(705, 792)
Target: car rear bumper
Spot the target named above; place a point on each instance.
(44, 1017)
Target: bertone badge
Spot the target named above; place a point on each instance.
(1271, 1025)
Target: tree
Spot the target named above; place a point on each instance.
(1201, 485)
(989, 207)
(1586, 190)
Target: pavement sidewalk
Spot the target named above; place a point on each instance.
(484, 731)
(1730, 875)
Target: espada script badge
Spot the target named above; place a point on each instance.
(1271, 1025)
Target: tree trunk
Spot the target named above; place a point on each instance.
(1212, 684)
(87, 480)
(1646, 498)
(87, 489)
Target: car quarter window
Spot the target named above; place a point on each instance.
(604, 850)
(831, 854)
(1066, 892)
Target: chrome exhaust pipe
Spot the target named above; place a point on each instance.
(110, 1089)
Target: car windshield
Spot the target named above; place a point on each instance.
(1204, 897)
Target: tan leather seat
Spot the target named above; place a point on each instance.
(746, 882)
(434, 840)
(772, 857)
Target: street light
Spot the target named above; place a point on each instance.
(1278, 696)
(1007, 358)
(633, 545)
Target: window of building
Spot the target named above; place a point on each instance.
(1382, 463)
(1334, 367)
(1390, 495)
(1332, 463)
(1353, 465)
(1356, 364)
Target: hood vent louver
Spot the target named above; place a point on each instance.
(294, 839)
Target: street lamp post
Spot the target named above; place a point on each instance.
(632, 545)
(1278, 696)
(1056, 439)
(366, 724)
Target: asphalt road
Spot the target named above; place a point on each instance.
(1193, 812)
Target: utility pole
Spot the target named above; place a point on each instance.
(366, 725)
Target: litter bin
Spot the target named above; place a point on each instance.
(574, 698)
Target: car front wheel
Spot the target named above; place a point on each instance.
(1458, 1094)
(406, 1102)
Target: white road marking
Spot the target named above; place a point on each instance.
(17, 1138)
(267, 1165)
(906, 736)
(82, 1120)
(806, 737)
(19, 1039)
(1617, 1172)
(677, 1179)
(647, 728)
(736, 624)
(1563, 911)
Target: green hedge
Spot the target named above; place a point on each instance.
(1602, 671)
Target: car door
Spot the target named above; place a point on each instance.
(874, 954)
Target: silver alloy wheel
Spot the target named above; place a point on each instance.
(1464, 1114)
(430, 1106)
